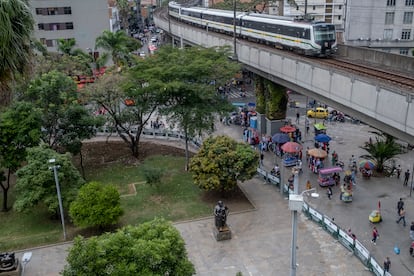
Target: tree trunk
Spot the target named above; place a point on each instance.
(187, 155)
(81, 163)
(5, 190)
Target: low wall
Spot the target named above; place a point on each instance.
(383, 59)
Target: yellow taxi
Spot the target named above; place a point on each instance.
(318, 112)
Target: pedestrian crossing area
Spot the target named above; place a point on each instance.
(235, 94)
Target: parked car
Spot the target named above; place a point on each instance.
(318, 112)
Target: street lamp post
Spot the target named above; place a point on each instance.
(55, 168)
(295, 205)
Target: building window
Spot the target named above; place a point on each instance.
(39, 11)
(404, 52)
(339, 17)
(52, 11)
(67, 10)
(69, 25)
(389, 18)
(405, 34)
(390, 2)
(313, 7)
(387, 34)
(41, 26)
(408, 18)
(49, 42)
(409, 2)
(340, 7)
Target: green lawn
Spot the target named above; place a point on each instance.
(175, 198)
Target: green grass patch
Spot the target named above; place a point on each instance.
(174, 198)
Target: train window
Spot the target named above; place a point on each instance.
(324, 33)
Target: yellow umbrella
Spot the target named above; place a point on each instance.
(317, 153)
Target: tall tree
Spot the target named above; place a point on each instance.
(127, 120)
(65, 46)
(221, 162)
(19, 130)
(381, 151)
(16, 23)
(193, 102)
(118, 44)
(36, 184)
(65, 122)
(152, 248)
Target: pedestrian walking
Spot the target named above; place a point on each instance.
(402, 217)
(387, 264)
(261, 159)
(308, 185)
(412, 231)
(400, 205)
(398, 171)
(329, 192)
(406, 177)
(307, 125)
(297, 117)
(375, 235)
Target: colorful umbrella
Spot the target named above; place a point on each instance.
(291, 147)
(323, 138)
(317, 153)
(287, 129)
(367, 164)
(319, 126)
(280, 138)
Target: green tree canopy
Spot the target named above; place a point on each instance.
(152, 248)
(221, 162)
(193, 102)
(65, 122)
(383, 150)
(19, 129)
(36, 183)
(16, 23)
(119, 44)
(96, 205)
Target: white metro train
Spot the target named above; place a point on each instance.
(305, 37)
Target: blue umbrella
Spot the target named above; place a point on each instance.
(280, 138)
(323, 138)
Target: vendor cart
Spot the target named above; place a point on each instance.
(329, 176)
(319, 128)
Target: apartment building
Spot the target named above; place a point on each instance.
(83, 20)
(385, 25)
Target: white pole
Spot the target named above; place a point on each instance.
(294, 227)
(62, 218)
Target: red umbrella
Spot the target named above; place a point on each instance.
(287, 129)
(291, 147)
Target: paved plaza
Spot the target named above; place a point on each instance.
(261, 238)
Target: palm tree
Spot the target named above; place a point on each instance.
(383, 150)
(118, 44)
(66, 45)
(16, 23)
(115, 43)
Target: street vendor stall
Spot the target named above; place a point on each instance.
(319, 128)
(316, 160)
(290, 153)
(346, 188)
(329, 176)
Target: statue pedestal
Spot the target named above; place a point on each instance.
(224, 233)
(15, 270)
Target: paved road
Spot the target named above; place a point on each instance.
(261, 238)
